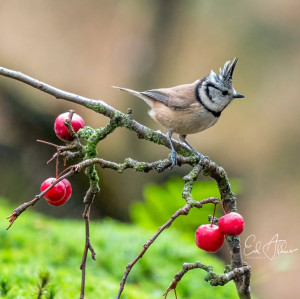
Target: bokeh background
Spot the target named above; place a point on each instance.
(85, 47)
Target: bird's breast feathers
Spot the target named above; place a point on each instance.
(192, 120)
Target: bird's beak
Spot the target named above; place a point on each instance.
(238, 95)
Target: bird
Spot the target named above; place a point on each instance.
(190, 108)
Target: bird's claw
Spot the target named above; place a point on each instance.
(200, 156)
(173, 159)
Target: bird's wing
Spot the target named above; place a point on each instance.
(179, 97)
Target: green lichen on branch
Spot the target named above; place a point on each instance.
(218, 173)
(159, 165)
(213, 278)
(123, 120)
(120, 119)
(91, 138)
(97, 107)
(188, 183)
(92, 173)
(140, 166)
(94, 188)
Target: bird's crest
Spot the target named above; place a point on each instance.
(225, 75)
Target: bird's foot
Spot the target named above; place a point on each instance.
(200, 156)
(173, 158)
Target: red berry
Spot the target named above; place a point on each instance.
(55, 195)
(209, 238)
(68, 190)
(61, 129)
(231, 224)
(67, 195)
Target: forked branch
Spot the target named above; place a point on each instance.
(88, 201)
(213, 278)
(183, 211)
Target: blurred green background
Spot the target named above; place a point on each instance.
(85, 47)
(41, 244)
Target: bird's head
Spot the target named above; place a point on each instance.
(217, 90)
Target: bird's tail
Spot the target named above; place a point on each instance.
(138, 94)
(133, 92)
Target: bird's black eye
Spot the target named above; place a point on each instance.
(225, 93)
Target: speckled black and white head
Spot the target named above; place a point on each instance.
(215, 92)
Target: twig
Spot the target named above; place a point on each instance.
(212, 277)
(68, 124)
(88, 201)
(19, 210)
(88, 245)
(120, 167)
(69, 151)
(183, 211)
(124, 120)
(188, 182)
(245, 291)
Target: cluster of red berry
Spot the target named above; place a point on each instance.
(62, 191)
(210, 237)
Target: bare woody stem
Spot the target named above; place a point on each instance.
(183, 211)
(19, 210)
(229, 205)
(212, 277)
(89, 199)
(122, 119)
(120, 167)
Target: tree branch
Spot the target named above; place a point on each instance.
(88, 200)
(120, 167)
(183, 211)
(212, 277)
(19, 210)
(99, 106)
(229, 205)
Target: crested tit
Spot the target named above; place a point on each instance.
(190, 108)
